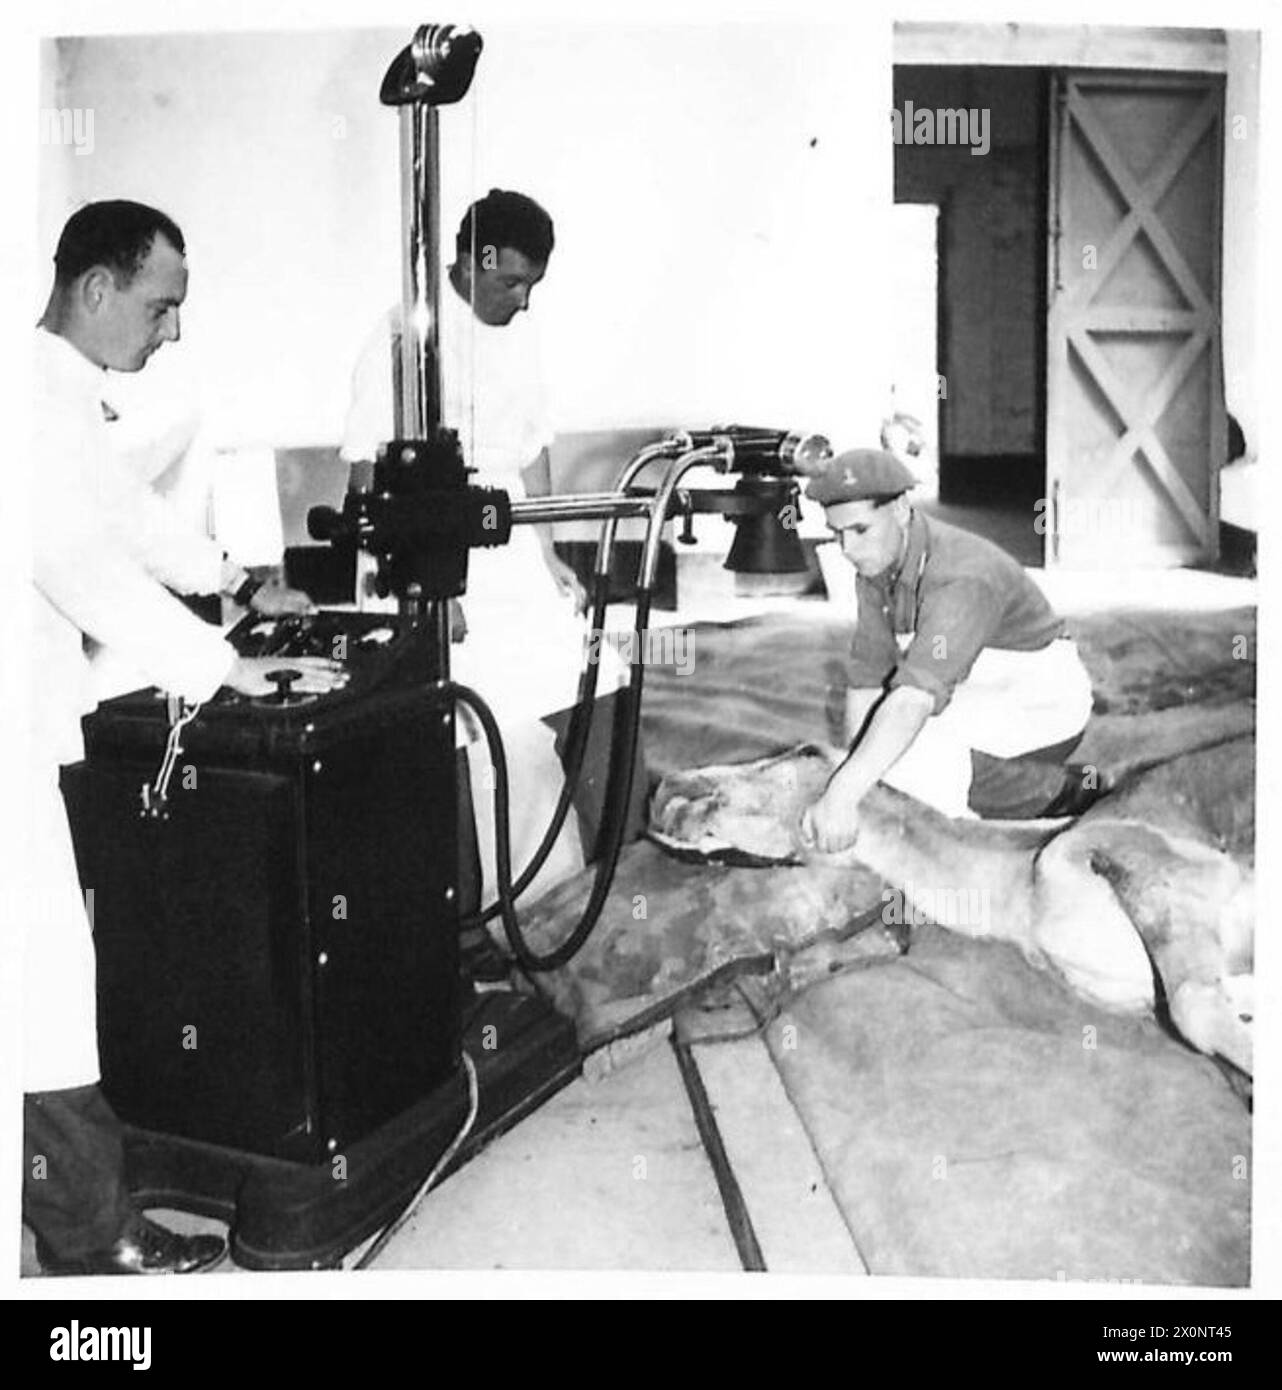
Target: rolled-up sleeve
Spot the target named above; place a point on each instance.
(955, 622)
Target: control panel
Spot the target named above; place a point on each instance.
(391, 665)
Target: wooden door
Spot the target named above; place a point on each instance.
(1135, 432)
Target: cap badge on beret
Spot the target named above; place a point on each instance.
(861, 475)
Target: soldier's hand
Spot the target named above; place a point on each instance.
(830, 824)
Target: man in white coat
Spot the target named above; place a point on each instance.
(524, 640)
(120, 279)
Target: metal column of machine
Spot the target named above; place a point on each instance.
(434, 70)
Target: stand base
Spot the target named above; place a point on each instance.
(287, 1216)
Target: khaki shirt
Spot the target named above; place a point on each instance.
(925, 622)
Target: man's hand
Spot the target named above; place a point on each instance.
(830, 824)
(276, 599)
(318, 675)
(567, 581)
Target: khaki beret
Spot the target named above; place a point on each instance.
(860, 475)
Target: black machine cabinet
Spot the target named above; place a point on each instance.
(277, 949)
(277, 943)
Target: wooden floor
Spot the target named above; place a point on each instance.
(611, 1175)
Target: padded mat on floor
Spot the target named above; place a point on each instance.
(977, 1120)
(1164, 683)
(974, 1117)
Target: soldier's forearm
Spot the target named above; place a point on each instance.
(895, 723)
(859, 705)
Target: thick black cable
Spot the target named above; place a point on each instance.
(622, 768)
(576, 744)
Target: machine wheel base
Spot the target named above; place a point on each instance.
(292, 1216)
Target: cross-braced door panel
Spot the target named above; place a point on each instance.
(1135, 414)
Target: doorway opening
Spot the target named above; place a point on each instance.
(983, 182)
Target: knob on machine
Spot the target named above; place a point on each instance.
(283, 679)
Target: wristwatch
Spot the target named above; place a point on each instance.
(249, 587)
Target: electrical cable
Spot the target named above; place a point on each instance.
(623, 748)
(622, 766)
(571, 760)
(581, 716)
(388, 1231)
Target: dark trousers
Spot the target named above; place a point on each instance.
(1018, 788)
(74, 1194)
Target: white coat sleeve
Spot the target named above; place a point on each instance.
(153, 530)
(98, 585)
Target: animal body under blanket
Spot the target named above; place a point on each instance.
(1156, 877)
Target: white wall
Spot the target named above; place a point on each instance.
(719, 193)
(1241, 295)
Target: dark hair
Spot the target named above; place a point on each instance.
(117, 235)
(506, 219)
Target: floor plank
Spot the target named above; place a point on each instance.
(796, 1221)
(607, 1175)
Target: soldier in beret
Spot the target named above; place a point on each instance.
(963, 688)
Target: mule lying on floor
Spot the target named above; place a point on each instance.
(1156, 877)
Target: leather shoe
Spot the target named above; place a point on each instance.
(142, 1248)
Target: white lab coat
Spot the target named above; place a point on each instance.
(160, 536)
(86, 584)
(492, 387)
(155, 531)
(524, 645)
